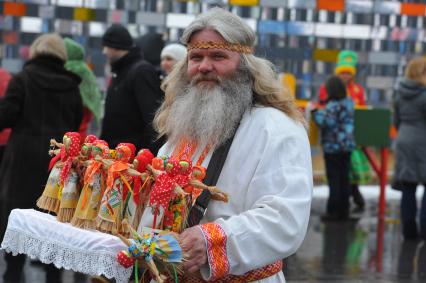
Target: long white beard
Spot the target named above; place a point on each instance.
(209, 115)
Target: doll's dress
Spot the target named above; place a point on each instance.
(90, 198)
(49, 200)
(69, 197)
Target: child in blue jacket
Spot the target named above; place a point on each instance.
(336, 121)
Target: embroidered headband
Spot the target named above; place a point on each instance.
(236, 47)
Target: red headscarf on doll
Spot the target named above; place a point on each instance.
(143, 158)
(67, 157)
(90, 139)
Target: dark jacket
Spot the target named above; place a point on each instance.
(410, 120)
(41, 102)
(336, 121)
(132, 99)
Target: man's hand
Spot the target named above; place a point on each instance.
(194, 248)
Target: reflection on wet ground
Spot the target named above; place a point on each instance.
(348, 251)
(343, 252)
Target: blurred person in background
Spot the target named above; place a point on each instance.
(336, 121)
(89, 89)
(133, 95)
(41, 102)
(4, 134)
(359, 169)
(170, 55)
(150, 45)
(410, 145)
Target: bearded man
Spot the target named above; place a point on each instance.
(222, 91)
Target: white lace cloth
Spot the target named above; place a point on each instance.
(41, 236)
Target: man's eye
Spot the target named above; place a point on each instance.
(218, 56)
(195, 58)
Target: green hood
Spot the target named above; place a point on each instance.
(74, 50)
(89, 89)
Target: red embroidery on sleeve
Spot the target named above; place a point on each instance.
(216, 250)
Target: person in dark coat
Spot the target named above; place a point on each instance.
(151, 45)
(41, 102)
(133, 95)
(410, 145)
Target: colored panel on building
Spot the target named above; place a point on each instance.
(384, 58)
(359, 6)
(83, 14)
(326, 55)
(413, 9)
(14, 9)
(272, 3)
(386, 7)
(119, 16)
(46, 12)
(244, 2)
(151, 19)
(10, 37)
(301, 4)
(331, 5)
(300, 28)
(380, 82)
(271, 27)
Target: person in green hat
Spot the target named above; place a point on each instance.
(346, 71)
(89, 89)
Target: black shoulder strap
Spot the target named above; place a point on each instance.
(212, 175)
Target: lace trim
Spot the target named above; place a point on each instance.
(91, 263)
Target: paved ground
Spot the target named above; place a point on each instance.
(336, 251)
(347, 252)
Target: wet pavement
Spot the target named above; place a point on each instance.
(358, 250)
(350, 252)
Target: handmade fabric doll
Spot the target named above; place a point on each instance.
(168, 193)
(94, 181)
(111, 210)
(85, 154)
(50, 200)
(135, 201)
(69, 190)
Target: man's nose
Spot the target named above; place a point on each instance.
(205, 66)
(104, 50)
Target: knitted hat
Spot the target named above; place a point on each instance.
(346, 62)
(174, 50)
(118, 37)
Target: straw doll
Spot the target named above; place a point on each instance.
(118, 179)
(50, 200)
(68, 181)
(94, 183)
(85, 154)
(169, 193)
(136, 200)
